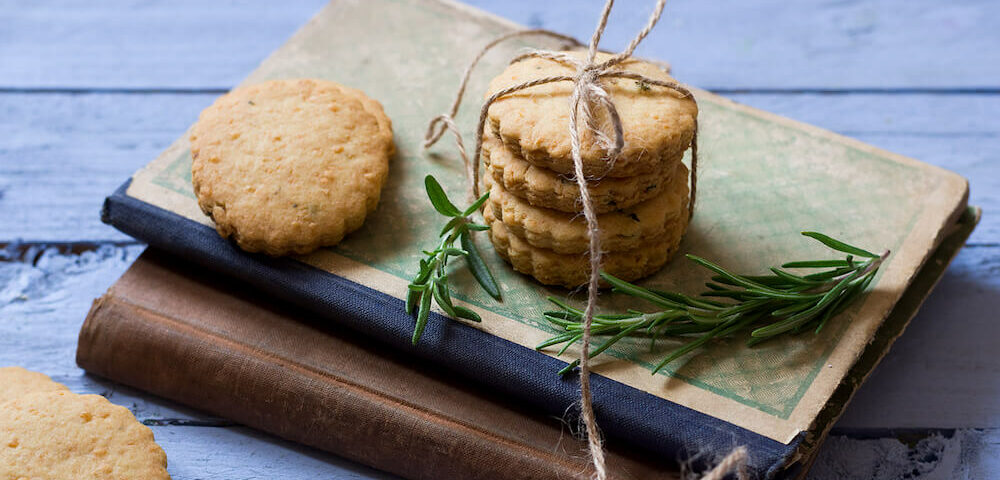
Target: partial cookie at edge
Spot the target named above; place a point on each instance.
(16, 382)
(64, 435)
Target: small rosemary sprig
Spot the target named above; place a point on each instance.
(767, 306)
(432, 280)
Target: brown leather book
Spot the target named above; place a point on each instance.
(205, 341)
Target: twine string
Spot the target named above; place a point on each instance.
(588, 92)
(734, 462)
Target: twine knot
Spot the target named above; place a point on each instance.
(588, 92)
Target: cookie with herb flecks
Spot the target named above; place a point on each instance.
(573, 270)
(629, 228)
(658, 122)
(288, 166)
(542, 187)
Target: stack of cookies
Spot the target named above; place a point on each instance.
(641, 196)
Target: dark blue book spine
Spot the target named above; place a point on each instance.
(625, 414)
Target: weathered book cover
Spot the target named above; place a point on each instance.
(206, 341)
(762, 180)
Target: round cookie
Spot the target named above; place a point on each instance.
(288, 166)
(534, 122)
(16, 382)
(545, 188)
(621, 230)
(64, 435)
(571, 271)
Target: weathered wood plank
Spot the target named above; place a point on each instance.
(44, 297)
(796, 45)
(895, 44)
(135, 44)
(43, 303)
(944, 455)
(210, 453)
(63, 153)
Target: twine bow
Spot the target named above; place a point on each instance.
(588, 93)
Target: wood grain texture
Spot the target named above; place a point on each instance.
(130, 44)
(923, 454)
(733, 44)
(815, 44)
(66, 152)
(227, 453)
(90, 92)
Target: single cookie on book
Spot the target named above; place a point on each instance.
(646, 223)
(288, 166)
(658, 122)
(542, 187)
(573, 270)
(48, 432)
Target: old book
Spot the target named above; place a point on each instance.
(174, 330)
(207, 341)
(762, 179)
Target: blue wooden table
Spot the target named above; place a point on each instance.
(91, 92)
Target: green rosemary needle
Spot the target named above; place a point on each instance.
(767, 306)
(431, 282)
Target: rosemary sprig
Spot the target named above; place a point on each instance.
(768, 306)
(431, 283)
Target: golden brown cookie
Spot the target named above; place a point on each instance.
(64, 435)
(16, 382)
(288, 166)
(374, 107)
(545, 188)
(571, 271)
(621, 230)
(534, 123)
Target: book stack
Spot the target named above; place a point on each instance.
(318, 348)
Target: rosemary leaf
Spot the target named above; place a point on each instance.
(431, 282)
(439, 199)
(476, 205)
(422, 313)
(478, 267)
(815, 264)
(467, 314)
(839, 246)
(760, 306)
